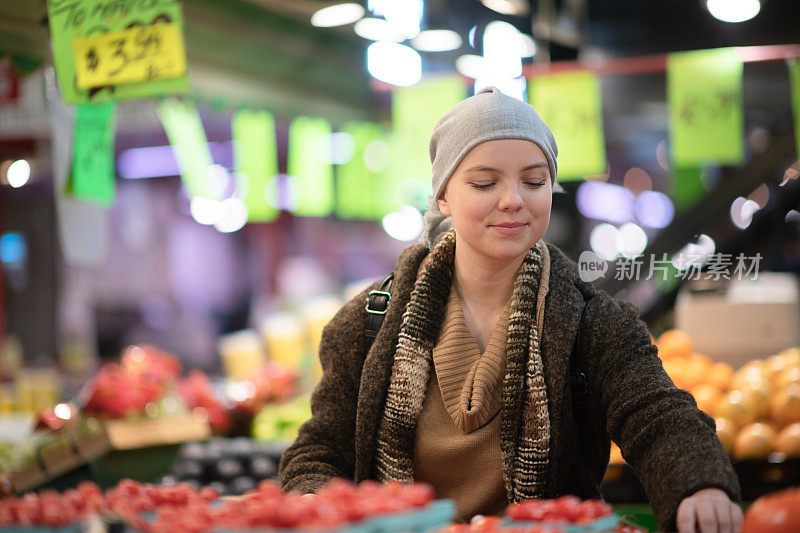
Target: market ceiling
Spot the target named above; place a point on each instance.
(266, 52)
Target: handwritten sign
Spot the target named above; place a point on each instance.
(309, 167)
(255, 154)
(137, 54)
(185, 132)
(570, 104)
(704, 93)
(93, 174)
(361, 181)
(111, 50)
(415, 111)
(794, 75)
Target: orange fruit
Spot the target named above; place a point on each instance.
(674, 343)
(774, 365)
(787, 441)
(792, 355)
(695, 370)
(786, 405)
(754, 441)
(726, 433)
(749, 372)
(790, 374)
(720, 375)
(738, 406)
(676, 370)
(707, 397)
(760, 389)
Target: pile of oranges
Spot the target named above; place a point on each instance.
(756, 408)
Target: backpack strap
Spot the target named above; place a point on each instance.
(577, 362)
(579, 385)
(376, 305)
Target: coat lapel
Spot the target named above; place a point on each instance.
(377, 369)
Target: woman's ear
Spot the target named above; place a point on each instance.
(443, 206)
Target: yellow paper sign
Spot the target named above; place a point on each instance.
(140, 53)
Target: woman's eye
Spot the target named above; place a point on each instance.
(535, 184)
(482, 185)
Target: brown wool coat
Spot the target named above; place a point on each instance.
(671, 445)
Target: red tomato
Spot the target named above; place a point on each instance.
(778, 512)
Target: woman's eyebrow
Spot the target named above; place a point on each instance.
(484, 168)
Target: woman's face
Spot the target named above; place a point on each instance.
(500, 197)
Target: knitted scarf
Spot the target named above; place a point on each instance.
(523, 399)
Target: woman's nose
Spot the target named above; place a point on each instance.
(511, 200)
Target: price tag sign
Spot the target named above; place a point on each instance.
(571, 105)
(115, 50)
(704, 93)
(141, 53)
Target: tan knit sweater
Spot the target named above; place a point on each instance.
(457, 447)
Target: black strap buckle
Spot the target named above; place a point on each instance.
(579, 384)
(374, 301)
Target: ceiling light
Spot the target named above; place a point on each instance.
(514, 87)
(437, 41)
(502, 49)
(528, 45)
(375, 29)
(394, 63)
(18, 173)
(509, 7)
(471, 66)
(733, 10)
(337, 15)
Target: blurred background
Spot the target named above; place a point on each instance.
(215, 189)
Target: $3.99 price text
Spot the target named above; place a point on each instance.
(137, 54)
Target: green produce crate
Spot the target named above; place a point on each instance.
(147, 465)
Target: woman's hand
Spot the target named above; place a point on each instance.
(709, 511)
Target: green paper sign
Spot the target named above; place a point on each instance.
(255, 157)
(92, 176)
(794, 75)
(73, 20)
(571, 105)
(687, 187)
(415, 111)
(704, 92)
(361, 183)
(181, 121)
(309, 167)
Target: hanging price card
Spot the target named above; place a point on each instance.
(141, 53)
(704, 93)
(113, 50)
(571, 105)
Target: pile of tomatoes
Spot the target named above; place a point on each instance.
(158, 508)
(566, 509)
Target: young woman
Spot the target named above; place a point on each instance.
(467, 383)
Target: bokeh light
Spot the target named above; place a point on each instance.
(654, 209)
(394, 63)
(405, 224)
(603, 241)
(631, 240)
(337, 15)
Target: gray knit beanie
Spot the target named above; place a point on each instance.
(488, 115)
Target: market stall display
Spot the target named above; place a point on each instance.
(229, 466)
(369, 507)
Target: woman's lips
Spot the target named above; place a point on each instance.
(510, 228)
